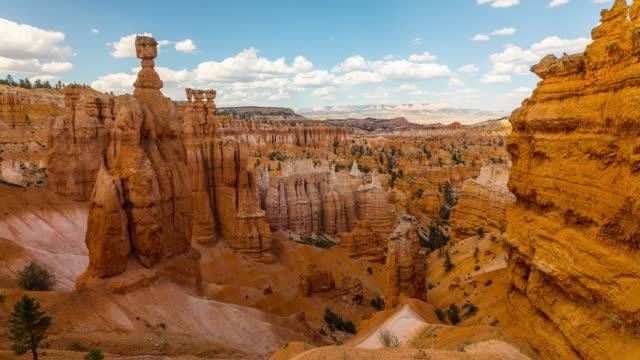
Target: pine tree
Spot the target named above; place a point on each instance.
(28, 326)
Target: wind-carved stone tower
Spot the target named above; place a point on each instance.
(141, 202)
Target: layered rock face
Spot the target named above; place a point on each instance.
(314, 200)
(575, 227)
(405, 270)
(483, 203)
(25, 117)
(199, 127)
(259, 134)
(77, 141)
(315, 280)
(243, 222)
(141, 201)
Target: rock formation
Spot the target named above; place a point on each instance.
(313, 200)
(405, 268)
(141, 201)
(243, 222)
(575, 227)
(483, 203)
(77, 141)
(351, 291)
(315, 281)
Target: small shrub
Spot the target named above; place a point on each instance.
(453, 313)
(440, 314)
(370, 270)
(1, 299)
(336, 322)
(471, 311)
(94, 354)
(35, 277)
(76, 346)
(480, 233)
(320, 242)
(448, 265)
(378, 303)
(489, 282)
(162, 326)
(493, 238)
(388, 339)
(430, 286)
(476, 268)
(323, 332)
(494, 322)
(476, 252)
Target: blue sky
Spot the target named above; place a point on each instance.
(303, 54)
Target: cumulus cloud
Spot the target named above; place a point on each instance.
(499, 32)
(495, 79)
(246, 65)
(43, 78)
(186, 46)
(22, 42)
(455, 82)
(555, 3)
(481, 37)
(352, 63)
(301, 64)
(499, 3)
(468, 69)
(119, 83)
(33, 66)
(424, 57)
(94, 31)
(247, 74)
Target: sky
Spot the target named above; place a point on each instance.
(472, 54)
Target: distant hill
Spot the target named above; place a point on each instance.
(372, 124)
(415, 113)
(261, 113)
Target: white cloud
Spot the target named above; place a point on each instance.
(455, 82)
(424, 57)
(468, 69)
(119, 83)
(246, 66)
(500, 32)
(186, 46)
(495, 79)
(22, 42)
(407, 70)
(321, 92)
(499, 3)
(417, 41)
(520, 92)
(555, 3)
(280, 95)
(355, 78)
(94, 31)
(43, 78)
(352, 63)
(32, 66)
(126, 46)
(503, 32)
(316, 78)
(301, 64)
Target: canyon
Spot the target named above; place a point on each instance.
(180, 229)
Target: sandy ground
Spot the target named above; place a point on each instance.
(404, 325)
(38, 225)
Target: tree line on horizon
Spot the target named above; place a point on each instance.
(28, 84)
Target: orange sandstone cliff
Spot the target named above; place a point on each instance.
(483, 203)
(574, 230)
